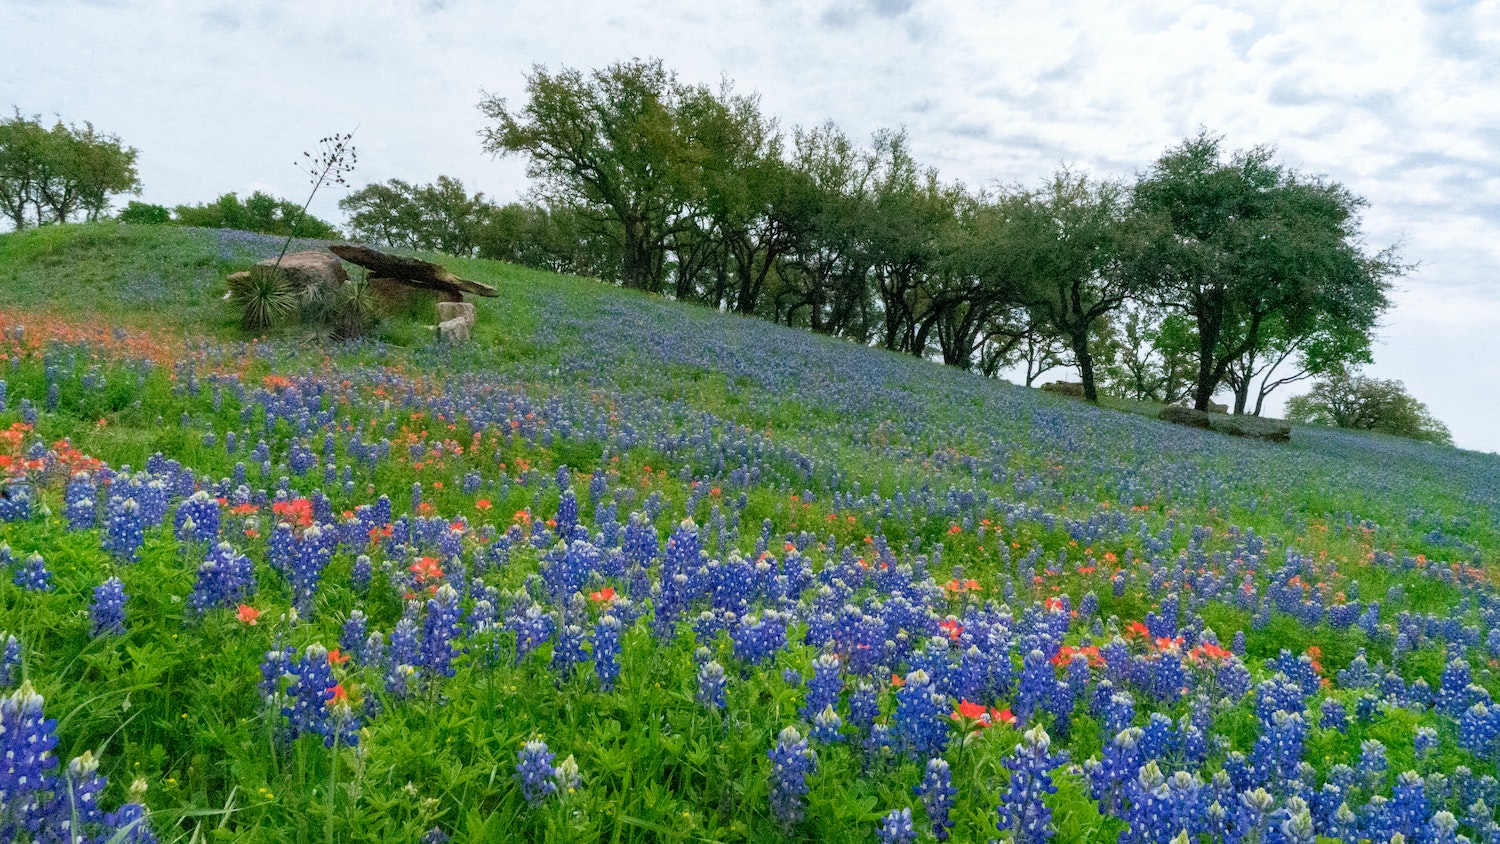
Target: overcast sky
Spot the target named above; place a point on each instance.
(1397, 100)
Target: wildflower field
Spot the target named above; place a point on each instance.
(624, 570)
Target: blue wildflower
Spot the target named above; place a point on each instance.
(937, 792)
(711, 685)
(791, 762)
(896, 827)
(1022, 810)
(534, 772)
(107, 612)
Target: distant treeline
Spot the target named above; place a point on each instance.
(1212, 269)
(260, 213)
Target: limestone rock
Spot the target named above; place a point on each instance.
(456, 310)
(312, 272)
(1064, 388)
(412, 271)
(1179, 415)
(1251, 427)
(454, 331)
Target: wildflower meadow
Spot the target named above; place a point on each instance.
(625, 570)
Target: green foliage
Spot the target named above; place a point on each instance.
(1352, 400)
(264, 296)
(261, 213)
(60, 174)
(1251, 251)
(440, 217)
(144, 214)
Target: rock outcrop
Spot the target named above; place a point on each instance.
(1251, 427)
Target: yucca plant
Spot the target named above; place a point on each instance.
(355, 309)
(265, 296)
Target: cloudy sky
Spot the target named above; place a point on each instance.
(1395, 99)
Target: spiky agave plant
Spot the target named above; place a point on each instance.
(355, 309)
(265, 296)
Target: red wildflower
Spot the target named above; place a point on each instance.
(248, 614)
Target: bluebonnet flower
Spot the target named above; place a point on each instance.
(80, 503)
(10, 660)
(1121, 759)
(937, 792)
(32, 574)
(312, 552)
(568, 651)
(567, 776)
(359, 575)
(1037, 681)
(197, 518)
(1372, 763)
(1409, 806)
(920, 717)
(826, 725)
(534, 772)
(1441, 829)
(226, 578)
(1332, 716)
(27, 765)
(124, 529)
(107, 613)
(1022, 810)
(824, 687)
(791, 762)
(532, 627)
(864, 705)
(607, 650)
(354, 635)
(711, 685)
(896, 827)
(403, 658)
(310, 694)
(439, 631)
(76, 806)
(758, 638)
(1425, 741)
(1453, 695)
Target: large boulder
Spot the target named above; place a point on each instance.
(1251, 427)
(1179, 415)
(1064, 388)
(312, 273)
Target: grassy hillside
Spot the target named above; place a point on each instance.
(703, 481)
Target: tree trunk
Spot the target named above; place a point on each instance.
(1242, 396)
(1080, 342)
(635, 263)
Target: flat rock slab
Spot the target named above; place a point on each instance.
(1251, 427)
(412, 271)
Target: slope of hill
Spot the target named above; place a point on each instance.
(533, 536)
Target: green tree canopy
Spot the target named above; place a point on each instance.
(619, 142)
(60, 174)
(1347, 399)
(438, 217)
(260, 213)
(1249, 249)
